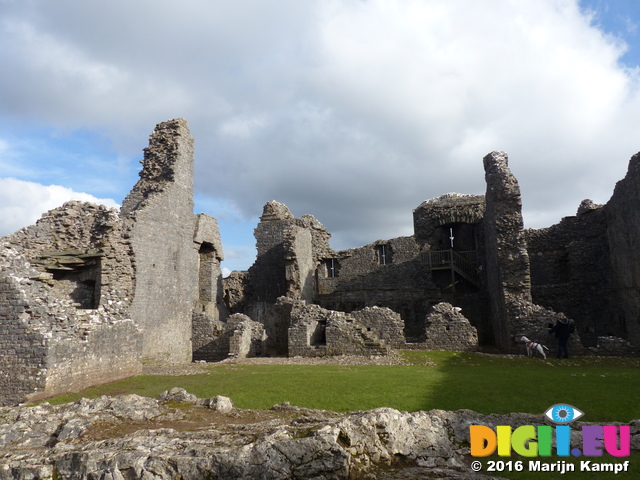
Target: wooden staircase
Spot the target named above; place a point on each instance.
(462, 263)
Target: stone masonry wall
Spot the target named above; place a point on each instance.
(448, 329)
(450, 208)
(54, 339)
(238, 337)
(315, 331)
(206, 342)
(508, 277)
(571, 272)
(300, 266)
(160, 217)
(93, 354)
(209, 246)
(268, 274)
(289, 250)
(623, 232)
(23, 349)
(387, 324)
(361, 279)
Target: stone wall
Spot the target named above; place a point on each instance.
(353, 279)
(387, 324)
(571, 272)
(507, 259)
(615, 347)
(300, 265)
(289, 250)
(267, 276)
(432, 218)
(88, 293)
(206, 343)
(237, 337)
(23, 349)
(455, 221)
(315, 331)
(207, 242)
(159, 211)
(623, 231)
(92, 354)
(65, 289)
(448, 329)
(236, 291)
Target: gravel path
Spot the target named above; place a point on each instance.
(200, 367)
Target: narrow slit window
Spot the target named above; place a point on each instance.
(331, 268)
(384, 257)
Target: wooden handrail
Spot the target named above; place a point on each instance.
(463, 263)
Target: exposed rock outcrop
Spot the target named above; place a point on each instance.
(181, 436)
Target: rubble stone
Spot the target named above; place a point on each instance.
(127, 437)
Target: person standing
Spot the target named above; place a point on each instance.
(563, 330)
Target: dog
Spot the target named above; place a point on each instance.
(534, 347)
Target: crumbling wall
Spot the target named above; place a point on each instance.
(307, 329)
(449, 209)
(23, 349)
(267, 276)
(289, 249)
(278, 317)
(571, 271)
(614, 347)
(455, 221)
(65, 289)
(248, 337)
(237, 337)
(159, 215)
(209, 246)
(236, 291)
(387, 324)
(82, 246)
(623, 232)
(300, 264)
(386, 273)
(448, 329)
(507, 259)
(315, 331)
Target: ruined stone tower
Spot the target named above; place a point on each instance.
(88, 293)
(159, 211)
(508, 274)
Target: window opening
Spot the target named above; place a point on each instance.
(77, 277)
(331, 268)
(384, 254)
(206, 270)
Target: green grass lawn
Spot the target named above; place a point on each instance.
(606, 389)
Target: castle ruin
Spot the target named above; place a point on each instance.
(89, 293)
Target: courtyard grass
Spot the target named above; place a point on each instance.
(606, 389)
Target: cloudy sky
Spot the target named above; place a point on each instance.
(354, 111)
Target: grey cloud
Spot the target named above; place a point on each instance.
(352, 112)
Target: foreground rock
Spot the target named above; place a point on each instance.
(132, 437)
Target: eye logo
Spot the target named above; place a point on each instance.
(563, 413)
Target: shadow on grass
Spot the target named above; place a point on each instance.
(606, 389)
